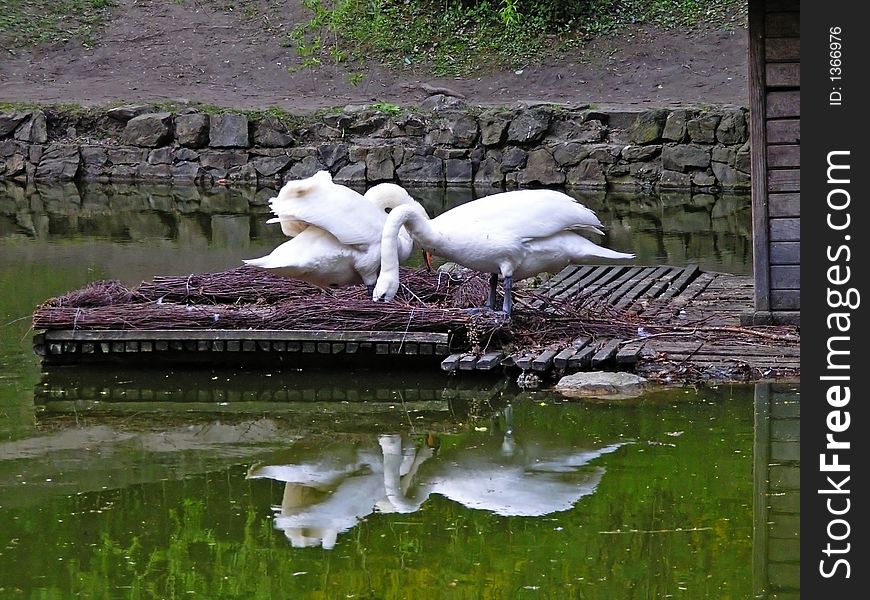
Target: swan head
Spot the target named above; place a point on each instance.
(388, 195)
(386, 287)
(303, 187)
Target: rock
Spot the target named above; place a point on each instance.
(675, 180)
(306, 167)
(59, 162)
(648, 126)
(605, 153)
(587, 174)
(127, 112)
(602, 384)
(272, 133)
(677, 157)
(425, 169)
(729, 177)
(640, 153)
(513, 158)
(492, 128)
(184, 154)
(352, 173)
(458, 171)
(732, 128)
(441, 103)
(529, 126)
(228, 131)
(743, 160)
(379, 164)
(541, 168)
(149, 130)
(186, 171)
(160, 156)
(588, 132)
(191, 130)
(703, 129)
(222, 159)
(675, 126)
(457, 133)
(703, 178)
(270, 165)
(489, 173)
(333, 156)
(570, 153)
(34, 130)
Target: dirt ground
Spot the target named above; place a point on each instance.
(198, 51)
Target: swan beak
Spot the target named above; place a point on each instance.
(427, 259)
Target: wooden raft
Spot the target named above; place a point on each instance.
(663, 295)
(63, 346)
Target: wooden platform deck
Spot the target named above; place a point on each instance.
(687, 328)
(705, 337)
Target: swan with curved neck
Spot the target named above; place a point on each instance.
(514, 234)
(336, 232)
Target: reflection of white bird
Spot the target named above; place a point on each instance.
(336, 234)
(514, 234)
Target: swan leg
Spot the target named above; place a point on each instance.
(371, 289)
(493, 286)
(508, 302)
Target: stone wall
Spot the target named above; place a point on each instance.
(441, 142)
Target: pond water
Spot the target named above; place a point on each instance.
(146, 483)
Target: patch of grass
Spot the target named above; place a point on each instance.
(460, 37)
(27, 23)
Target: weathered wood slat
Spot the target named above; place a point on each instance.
(489, 360)
(560, 361)
(253, 335)
(785, 230)
(785, 277)
(680, 282)
(629, 353)
(782, 24)
(524, 361)
(782, 49)
(468, 362)
(783, 75)
(783, 104)
(784, 131)
(784, 180)
(634, 285)
(544, 361)
(580, 280)
(664, 282)
(582, 357)
(784, 156)
(451, 363)
(603, 293)
(784, 205)
(785, 299)
(785, 253)
(606, 352)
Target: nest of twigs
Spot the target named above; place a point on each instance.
(250, 298)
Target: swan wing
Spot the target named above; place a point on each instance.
(335, 208)
(523, 214)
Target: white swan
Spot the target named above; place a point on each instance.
(514, 234)
(336, 235)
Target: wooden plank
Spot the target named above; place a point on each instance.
(468, 362)
(785, 230)
(783, 131)
(691, 291)
(253, 335)
(629, 353)
(783, 104)
(782, 24)
(560, 361)
(640, 275)
(785, 277)
(604, 292)
(664, 282)
(489, 360)
(784, 180)
(680, 282)
(784, 205)
(784, 156)
(544, 361)
(582, 357)
(524, 362)
(606, 352)
(783, 75)
(782, 49)
(785, 299)
(580, 279)
(451, 363)
(785, 253)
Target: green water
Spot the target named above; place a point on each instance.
(144, 483)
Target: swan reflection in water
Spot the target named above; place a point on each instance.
(344, 484)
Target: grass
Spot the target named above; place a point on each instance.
(25, 23)
(453, 37)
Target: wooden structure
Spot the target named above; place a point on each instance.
(776, 504)
(677, 297)
(774, 110)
